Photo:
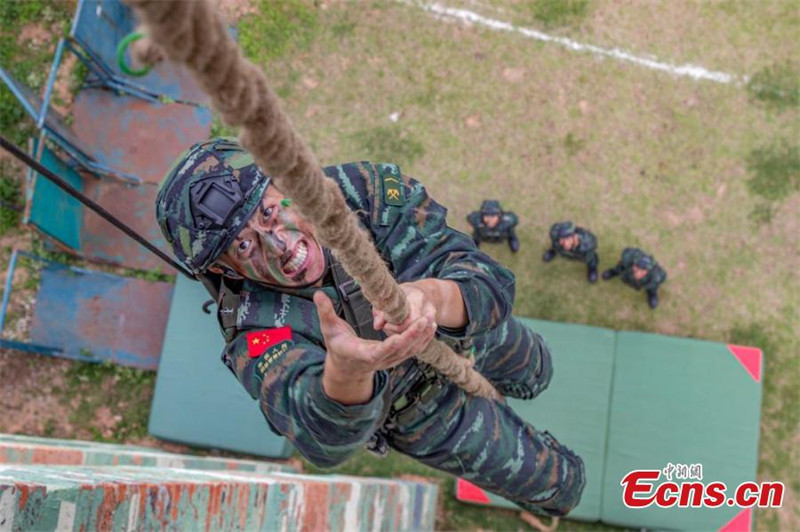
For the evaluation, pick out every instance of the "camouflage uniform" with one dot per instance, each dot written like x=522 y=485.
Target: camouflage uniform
x=504 y=230
x=586 y=251
x=656 y=275
x=414 y=412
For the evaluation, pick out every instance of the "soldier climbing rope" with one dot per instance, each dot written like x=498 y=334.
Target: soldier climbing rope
x=193 y=33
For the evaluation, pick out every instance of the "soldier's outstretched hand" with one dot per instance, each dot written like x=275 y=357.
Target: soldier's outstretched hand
x=355 y=355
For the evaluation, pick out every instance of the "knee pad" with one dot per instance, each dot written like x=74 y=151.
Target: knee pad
x=536 y=379
x=567 y=493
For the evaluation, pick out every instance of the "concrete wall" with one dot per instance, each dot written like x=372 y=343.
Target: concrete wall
x=134 y=498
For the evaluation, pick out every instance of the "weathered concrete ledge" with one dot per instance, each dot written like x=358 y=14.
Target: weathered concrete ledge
x=155 y=498
x=44 y=452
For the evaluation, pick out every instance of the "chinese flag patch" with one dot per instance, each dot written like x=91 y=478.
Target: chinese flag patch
x=259 y=341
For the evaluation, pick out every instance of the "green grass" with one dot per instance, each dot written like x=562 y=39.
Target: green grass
x=639 y=157
x=553 y=13
x=762 y=214
x=28 y=63
x=388 y=144
x=777 y=86
x=220 y=129
x=147 y=275
x=40 y=248
x=781 y=400
x=342 y=26
x=277 y=28
x=775 y=171
x=10 y=197
x=77 y=77
x=13 y=119
x=573 y=145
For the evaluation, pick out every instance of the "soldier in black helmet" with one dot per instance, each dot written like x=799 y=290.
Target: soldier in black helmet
x=325 y=368
x=574 y=243
x=493 y=224
x=639 y=270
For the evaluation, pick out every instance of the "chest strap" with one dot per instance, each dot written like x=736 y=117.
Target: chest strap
x=355 y=309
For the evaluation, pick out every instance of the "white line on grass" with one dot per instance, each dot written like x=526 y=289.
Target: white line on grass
x=688 y=70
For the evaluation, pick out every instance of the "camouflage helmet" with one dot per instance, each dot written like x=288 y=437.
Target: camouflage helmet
x=645 y=263
x=564 y=230
x=491 y=207
x=206 y=198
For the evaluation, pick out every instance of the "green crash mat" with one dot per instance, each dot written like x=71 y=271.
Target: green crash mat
x=680 y=401
x=197 y=400
x=574 y=408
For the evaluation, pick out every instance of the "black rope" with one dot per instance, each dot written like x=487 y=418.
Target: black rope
x=66 y=187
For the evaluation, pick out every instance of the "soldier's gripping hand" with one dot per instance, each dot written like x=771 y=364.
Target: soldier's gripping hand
x=439 y=298
x=350 y=364
x=420 y=305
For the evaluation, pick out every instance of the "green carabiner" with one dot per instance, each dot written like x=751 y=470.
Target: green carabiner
x=122 y=47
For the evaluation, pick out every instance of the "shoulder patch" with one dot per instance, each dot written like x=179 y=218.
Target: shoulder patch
x=259 y=342
x=270 y=356
x=393 y=191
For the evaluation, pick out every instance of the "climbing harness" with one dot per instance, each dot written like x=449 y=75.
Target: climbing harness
x=354 y=306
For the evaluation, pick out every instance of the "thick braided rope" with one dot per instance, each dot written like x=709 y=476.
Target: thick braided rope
x=194 y=33
x=145 y=52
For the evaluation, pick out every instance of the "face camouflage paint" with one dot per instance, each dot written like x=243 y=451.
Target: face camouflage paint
x=277 y=246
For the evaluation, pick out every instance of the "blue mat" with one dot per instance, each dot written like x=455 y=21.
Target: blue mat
x=92 y=316
x=99 y=26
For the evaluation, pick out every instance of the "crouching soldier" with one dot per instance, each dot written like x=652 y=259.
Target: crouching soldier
x=639 y=270
x=493 y=224
x=574 y=243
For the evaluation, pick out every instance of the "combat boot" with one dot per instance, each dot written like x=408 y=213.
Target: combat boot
x=592 y=274
x=513 y=243
x=549 y=255
x=652 y=299
x=608 y=274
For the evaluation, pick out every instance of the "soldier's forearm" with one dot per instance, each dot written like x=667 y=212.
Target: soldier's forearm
x=451 y=312
x=346 y=388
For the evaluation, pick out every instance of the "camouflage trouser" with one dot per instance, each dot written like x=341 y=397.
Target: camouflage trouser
x=485 y=441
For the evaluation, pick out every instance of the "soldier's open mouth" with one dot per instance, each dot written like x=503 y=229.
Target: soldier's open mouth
x=298 y=259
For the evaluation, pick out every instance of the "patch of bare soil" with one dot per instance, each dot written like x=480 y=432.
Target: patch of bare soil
x=63 y=94
x=30 y=397
x=27 y=397
x=34 y=34
x=14 y=239
x=22 y=299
